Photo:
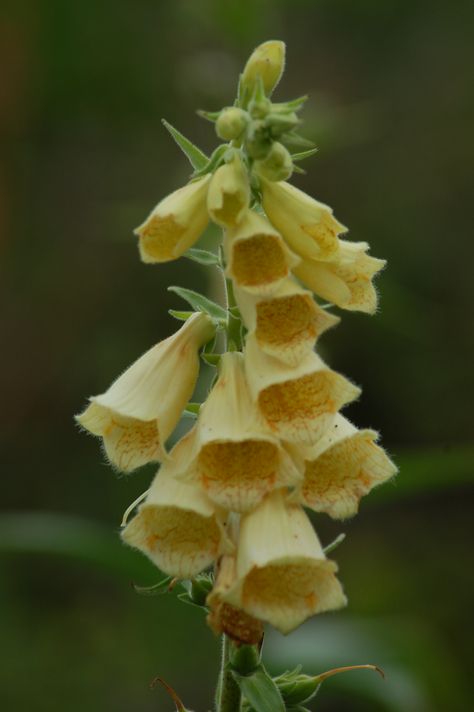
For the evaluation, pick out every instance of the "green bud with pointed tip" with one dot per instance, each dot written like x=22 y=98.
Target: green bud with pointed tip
x=279 y=124
x=277 y=165
x=231 y=123
x=299 y=689
x=266 y=61
x=258 y=143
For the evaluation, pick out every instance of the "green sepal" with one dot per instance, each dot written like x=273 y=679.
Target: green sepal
x=338 y=540
x=157 y=589
x=208 y=115
x=200 y=303
x=260 y=691
x=294 y=139
x=279 y=124
x=211 y=359
x=202 y=257
x=217 y=157
x=301 y=689
x=304 y=154
x=292 y=105
x=196 y=157
x=298 y=169
x=180 y=315
x=244 y=659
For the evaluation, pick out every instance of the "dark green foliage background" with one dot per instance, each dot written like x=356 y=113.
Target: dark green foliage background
x=84 y=158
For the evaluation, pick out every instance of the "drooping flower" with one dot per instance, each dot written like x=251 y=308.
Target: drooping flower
x=341 y=468
x=175 y=224
x=298 y=403
x=139 y=411
x=229 y=193
x=287 y=323
x=281 y=574
x=347 y=281
x=307 y=225
x=238 y=459
x=177 y=526
x=257 y=258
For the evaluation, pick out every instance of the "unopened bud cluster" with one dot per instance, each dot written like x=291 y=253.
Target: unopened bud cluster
x=270 y=439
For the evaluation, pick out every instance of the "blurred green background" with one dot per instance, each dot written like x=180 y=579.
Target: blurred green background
x=84 y=158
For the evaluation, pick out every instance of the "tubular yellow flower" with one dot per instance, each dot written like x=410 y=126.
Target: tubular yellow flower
x=346 y=282
x=343 y=467
x=287 y=324
x=307 y=225
x=175 y=224
x=141 y=408
x=229 y=193
x=238 y=460
x=258 y=259
x=266 y=61
x=177 y=527
x=282 y=575
x=299 y=403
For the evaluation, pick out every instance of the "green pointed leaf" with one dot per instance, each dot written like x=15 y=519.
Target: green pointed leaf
x=334 y=544
x=288 y=106
x=200 y=303
x=202 y=257
x=157 y=589
x=213 y=162
x=180 y=315
x=298 y=169
x=304 y=154
x=261 y=691
x=294 y=139
x=208 y=115
x=196 y=157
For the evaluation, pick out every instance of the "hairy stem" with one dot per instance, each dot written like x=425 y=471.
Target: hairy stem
x=228 y=695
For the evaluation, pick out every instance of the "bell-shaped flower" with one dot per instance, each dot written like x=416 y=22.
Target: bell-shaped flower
x=267 y=61
x=257 y=258
x=287 y=323
x=177 y=526
x=175 y=224
x=299 y=403
x=229 y=193
x=141 y=408
x=346 y=282
x=341 y=468
x=307 y=225
x=281 y=575
x=238 y=459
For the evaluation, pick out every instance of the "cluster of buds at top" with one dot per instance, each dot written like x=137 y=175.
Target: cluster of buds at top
x=270 y=439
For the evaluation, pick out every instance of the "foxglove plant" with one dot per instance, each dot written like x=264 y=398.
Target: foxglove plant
x=225 y=516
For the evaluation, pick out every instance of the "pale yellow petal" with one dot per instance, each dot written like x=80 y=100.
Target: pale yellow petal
x=257 y=258
x=175 y=224
x=287 y=324
x=266 y=61
x=141 y=408
x=307 y=225
x=229 y=193
x=298 y=403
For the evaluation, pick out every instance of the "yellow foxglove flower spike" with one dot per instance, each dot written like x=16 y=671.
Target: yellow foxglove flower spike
x=307 y=225
x=140 y=410
x=299 y=403
x=286 y=324
x=238 y=460
x=281 y=575
x=175 y=224
x=257 y=258
x=346 y=282
x=342 y=467
x=177 y=526
x=229 y=193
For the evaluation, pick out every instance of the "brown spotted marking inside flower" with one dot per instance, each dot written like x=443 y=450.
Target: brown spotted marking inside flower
x=337 y=479
x=287 y=321
x=324 y=233
x=259 y=260
x=131 y=443
x=159 y=237
x=232 y=205
x=237 y=475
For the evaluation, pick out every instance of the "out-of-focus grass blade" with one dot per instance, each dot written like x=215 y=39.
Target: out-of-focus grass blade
x=72 y=537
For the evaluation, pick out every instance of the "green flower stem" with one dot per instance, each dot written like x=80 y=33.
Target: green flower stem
x=228 y=695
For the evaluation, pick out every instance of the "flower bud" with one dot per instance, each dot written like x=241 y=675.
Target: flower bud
x=231 y=123
x=175 y=224
x=258 y=143
x=142 y=407
x=277 y=164
x=229 y=193
x=298 y=689
x=266 y=61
